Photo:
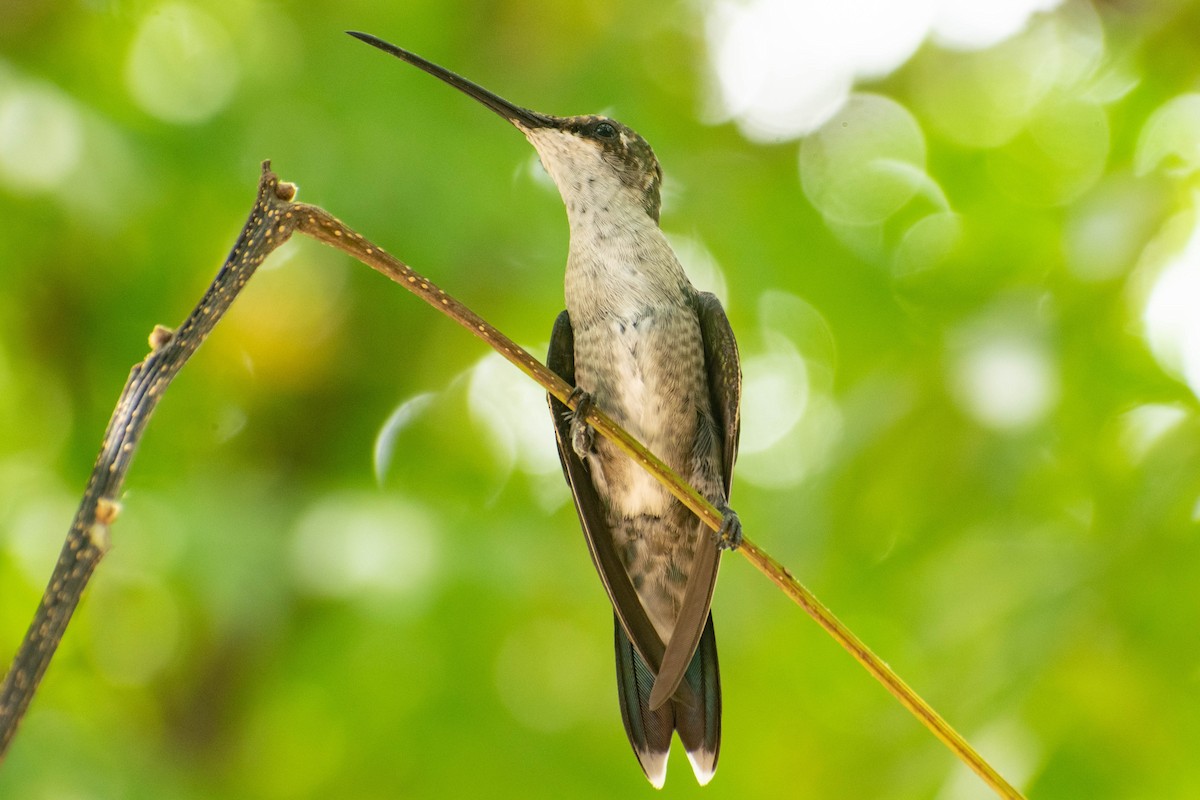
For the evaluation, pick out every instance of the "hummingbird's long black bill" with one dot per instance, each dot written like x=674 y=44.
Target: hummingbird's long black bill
x=521 y=117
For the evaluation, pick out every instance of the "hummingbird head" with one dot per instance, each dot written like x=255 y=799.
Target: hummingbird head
x=595 y=161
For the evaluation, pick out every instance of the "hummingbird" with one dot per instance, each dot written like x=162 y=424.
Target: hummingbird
x=640 y=343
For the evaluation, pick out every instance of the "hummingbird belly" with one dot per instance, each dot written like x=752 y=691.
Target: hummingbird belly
x=646 y=371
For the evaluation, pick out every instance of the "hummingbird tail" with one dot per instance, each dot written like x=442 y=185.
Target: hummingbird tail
x=700 y=727
x=649 y=732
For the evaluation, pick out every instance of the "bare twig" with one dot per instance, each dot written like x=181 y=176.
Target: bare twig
x=271 y=223
x=268 y=227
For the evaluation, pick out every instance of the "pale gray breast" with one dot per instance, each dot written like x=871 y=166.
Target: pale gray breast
x=647 y=372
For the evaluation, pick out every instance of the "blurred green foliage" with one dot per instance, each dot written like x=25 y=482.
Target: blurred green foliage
x=964 y=430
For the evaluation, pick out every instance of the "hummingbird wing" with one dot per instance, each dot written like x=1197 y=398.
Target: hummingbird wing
x=692 y=619
x=695 y=709
x=639 y=649
x=700 y=727
x=592 y=514
x=724 y=376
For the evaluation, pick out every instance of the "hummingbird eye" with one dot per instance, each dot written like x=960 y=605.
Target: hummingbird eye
x=605 y=130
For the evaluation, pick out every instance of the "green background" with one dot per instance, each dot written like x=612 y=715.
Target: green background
x=287 y=614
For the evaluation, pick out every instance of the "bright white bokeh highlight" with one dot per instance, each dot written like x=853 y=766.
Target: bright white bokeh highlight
x=976 y=24
x=1171 y=315
x=1005 y=380
x=775 y=395
x=182 y=66
x=783 y=67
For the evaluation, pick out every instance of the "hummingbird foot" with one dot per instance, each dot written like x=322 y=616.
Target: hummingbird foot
x=583 y=436
x=729 y=537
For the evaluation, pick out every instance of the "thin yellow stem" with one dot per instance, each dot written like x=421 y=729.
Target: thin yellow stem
x=322 y=226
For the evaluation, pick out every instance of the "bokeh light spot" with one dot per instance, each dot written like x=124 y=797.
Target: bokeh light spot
x=983 y=99
x=1171 y=137
x=40 y=507
x=1106 y=229
x=1006 y=382
x=389 y=433
x=928 y=243
x=367 y=545
x=182 y=66
x=1141 y=428
x=865 y=163
x=41 y=137
x=976 y=24
x=775 y=396
x=701 y=266
x=790 y=421
x=512 y=410
x=1171 y=317
x=782 y=68
x=1057 y=157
